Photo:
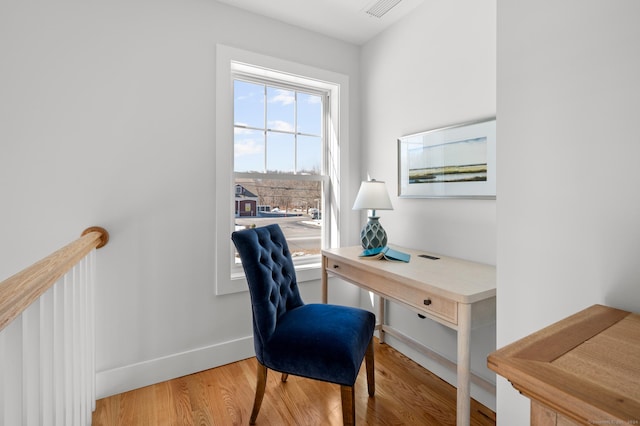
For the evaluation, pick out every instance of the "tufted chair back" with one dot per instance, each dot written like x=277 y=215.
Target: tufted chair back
x=271 y=278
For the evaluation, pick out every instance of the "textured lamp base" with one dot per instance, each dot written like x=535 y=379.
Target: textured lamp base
x=373 y=234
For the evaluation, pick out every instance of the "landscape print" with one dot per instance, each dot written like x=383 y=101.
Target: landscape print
x=458 y=161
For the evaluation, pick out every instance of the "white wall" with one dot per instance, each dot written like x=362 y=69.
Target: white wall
x=568 y=149
x=434 y=68
x=107 y=117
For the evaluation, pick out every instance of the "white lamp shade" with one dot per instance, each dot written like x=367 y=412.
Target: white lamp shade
x=372 y=195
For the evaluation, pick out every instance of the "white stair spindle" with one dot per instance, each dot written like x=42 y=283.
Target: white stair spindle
x=77 y=345
x=58 y=354
x=68 y=349
x=46 y=358
x=91 y=342
x=31 y=365
x=11 y=374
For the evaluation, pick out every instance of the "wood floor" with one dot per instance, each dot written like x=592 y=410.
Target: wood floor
x=406 y=394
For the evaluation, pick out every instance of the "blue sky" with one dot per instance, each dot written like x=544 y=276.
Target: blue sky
x=280 y=144
x=456 y=153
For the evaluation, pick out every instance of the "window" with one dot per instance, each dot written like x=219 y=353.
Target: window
x=278 y=160
x=277 y=147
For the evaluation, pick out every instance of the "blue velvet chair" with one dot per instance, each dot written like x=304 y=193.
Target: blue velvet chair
x=318 y=341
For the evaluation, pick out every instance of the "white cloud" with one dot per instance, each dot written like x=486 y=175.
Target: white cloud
x=312 y=99
x=285 y=97
x=247 y=147
x=283 y=126
x=241 y=130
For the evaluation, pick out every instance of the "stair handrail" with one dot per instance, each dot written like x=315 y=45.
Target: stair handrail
x=22 y=289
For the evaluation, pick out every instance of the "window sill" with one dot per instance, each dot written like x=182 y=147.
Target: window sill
x=238 y=282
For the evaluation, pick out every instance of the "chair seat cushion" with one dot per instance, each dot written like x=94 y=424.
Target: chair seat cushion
x=320 y=341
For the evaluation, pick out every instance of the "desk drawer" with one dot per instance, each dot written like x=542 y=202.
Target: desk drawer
x=419 y=299
x=347 y=271
x=446 y=309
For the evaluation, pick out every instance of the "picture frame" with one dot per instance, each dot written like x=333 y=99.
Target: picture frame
x=457 y=161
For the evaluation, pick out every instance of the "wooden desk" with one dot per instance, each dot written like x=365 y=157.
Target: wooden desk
x=582 y=370
x=456 y=293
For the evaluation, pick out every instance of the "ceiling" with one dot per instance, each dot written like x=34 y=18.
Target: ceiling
x=346 y=20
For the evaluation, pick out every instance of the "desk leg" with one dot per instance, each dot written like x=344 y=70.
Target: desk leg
x=325 y=280
x=381 y=306
x=464 y=365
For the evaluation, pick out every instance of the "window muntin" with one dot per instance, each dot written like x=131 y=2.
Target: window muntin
x=276 y=129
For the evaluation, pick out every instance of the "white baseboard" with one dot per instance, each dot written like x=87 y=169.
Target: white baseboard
x=134 y=376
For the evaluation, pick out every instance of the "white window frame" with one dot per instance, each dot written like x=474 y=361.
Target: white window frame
x=230 y=279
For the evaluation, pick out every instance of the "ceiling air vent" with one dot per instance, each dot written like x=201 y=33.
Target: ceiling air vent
x=381 y=7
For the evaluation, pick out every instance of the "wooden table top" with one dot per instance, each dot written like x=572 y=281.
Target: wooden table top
x=586 y=366
x=456 y=279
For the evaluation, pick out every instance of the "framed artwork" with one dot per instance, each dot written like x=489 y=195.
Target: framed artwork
x=451 y=162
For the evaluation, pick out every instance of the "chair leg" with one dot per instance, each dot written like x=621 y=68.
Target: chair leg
x=348 y=396
x=370 y=365
x=260 y=387
x=285 y=376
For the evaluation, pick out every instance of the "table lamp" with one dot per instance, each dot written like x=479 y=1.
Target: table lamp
x=373 y=196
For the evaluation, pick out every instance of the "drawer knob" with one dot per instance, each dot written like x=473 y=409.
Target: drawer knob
x=336 y=266
x=427 y=302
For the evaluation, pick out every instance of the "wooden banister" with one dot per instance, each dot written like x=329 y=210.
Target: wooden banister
x=23 y=288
